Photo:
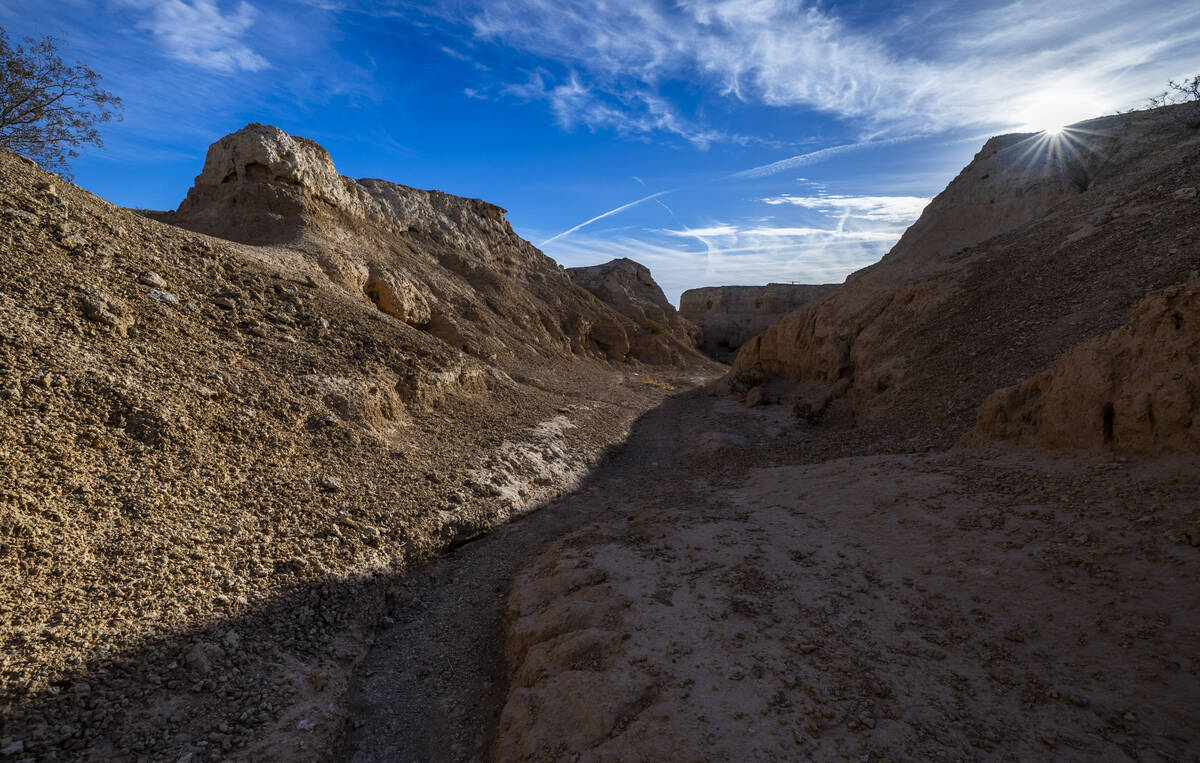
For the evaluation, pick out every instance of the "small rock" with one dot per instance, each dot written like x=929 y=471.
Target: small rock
x=19 y=214
x=101 y=308
x=331 y=483
x=1188 y=193
x=165 y=297
x=229 y=303
x=201 y=657
x=14 y=748
x=202 y=390
x=232 y=640
x=74 y=242
x=150 y=278
x=755 y=397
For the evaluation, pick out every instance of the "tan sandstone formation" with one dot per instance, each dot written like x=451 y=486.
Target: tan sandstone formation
x=1039 y=244
x=1136 y=389
x=628 y=287
x=448 y=265
x=728 y=316
x=216 y=454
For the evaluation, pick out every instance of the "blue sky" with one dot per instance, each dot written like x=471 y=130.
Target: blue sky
x=716 y=141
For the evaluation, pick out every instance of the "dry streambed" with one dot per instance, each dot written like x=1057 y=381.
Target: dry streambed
x=945 y=606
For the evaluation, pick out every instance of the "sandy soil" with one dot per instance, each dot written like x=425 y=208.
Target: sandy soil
x=961 y=605
x=710 y=598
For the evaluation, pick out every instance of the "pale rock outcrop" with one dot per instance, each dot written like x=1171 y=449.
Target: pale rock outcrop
x=396 y=296
x=1135 y=390
x=450 y=266
x=659 y=333
x=728 y=316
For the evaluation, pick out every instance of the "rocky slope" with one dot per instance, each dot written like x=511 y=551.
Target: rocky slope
x=1136 y=389
x=628 y=287
x=728 y=316
x=217 y=456
x=1039 y=244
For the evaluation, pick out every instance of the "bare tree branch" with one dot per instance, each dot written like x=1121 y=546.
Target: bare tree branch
x=47 y=108
x=1185 y=94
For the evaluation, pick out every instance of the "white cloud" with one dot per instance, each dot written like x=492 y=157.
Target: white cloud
x=701 y=233
x=199 y=33
x=970 y=65
x=839 y=234
x=743 y=256
x=894 y=209
x=633 y=112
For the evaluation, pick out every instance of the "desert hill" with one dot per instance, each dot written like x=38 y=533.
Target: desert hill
x=212 y=444
x=450 y=266
x=1039 y=244
x=631 y=290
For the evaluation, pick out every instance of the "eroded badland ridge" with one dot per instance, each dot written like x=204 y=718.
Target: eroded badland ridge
x=237 y=436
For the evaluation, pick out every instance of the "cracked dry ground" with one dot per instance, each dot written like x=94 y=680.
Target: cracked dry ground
x=732 y=587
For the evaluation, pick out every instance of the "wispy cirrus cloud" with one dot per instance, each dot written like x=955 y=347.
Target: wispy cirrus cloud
x=1000 y=63
x=635 y=112
x=891 y=209
x=806 y=239
x=198 y=32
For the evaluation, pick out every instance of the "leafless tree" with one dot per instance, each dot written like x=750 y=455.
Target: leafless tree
x=49 y=109
x=1186 y=94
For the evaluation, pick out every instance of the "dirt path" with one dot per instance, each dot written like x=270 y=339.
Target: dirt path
x=999 y=605
x=434 y=682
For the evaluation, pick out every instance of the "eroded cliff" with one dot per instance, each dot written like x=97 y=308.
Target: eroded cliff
x=628 y=287
x=1135 y=389
x=448 y=265
x=1039 y=244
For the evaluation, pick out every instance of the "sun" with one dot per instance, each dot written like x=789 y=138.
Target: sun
x=1051 y=111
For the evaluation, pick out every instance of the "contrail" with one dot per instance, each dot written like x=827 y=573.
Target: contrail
x=609 y=213
x=803 y=160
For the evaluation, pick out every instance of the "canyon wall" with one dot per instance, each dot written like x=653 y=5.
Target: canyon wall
x=628 y=287
x=1040 y=243
x=728 y=316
